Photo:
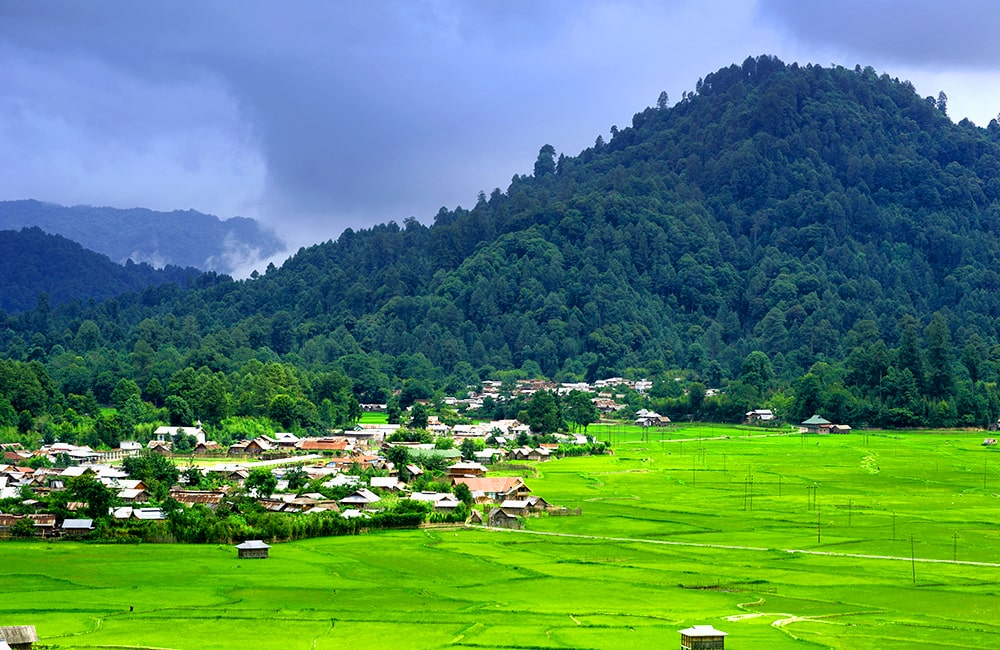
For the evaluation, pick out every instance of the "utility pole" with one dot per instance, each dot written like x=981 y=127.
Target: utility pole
x=819 y=527
x=954 y=547
x=850 y=503
x=913 y=561
x=894 y=526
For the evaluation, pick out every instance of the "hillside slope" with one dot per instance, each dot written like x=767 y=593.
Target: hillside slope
x=32 y=263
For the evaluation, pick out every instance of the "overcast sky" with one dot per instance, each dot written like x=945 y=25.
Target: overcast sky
x=316 y=115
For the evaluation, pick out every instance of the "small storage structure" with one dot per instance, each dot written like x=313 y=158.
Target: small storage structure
x=702 y=637
x=253 y=549
x=18 y=637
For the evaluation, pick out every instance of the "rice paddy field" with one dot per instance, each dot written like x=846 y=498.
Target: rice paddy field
x=870 y=540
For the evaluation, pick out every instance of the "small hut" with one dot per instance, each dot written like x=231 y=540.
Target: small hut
x=18 y=637
x=702 y=637
x=253 y=549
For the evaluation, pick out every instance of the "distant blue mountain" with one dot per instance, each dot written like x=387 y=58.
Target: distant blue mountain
x=181 y=238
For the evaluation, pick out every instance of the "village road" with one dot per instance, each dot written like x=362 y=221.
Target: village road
x=733 y=547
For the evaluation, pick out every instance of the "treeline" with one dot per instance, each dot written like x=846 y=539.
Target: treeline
x=830 y=219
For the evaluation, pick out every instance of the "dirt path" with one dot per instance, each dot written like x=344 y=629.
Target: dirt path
x=735 y=547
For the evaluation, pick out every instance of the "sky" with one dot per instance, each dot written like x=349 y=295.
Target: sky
x=314 y=116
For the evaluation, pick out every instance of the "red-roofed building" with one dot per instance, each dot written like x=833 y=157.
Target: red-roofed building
x=494 y=489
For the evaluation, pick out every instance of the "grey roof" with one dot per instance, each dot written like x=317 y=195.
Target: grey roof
x=18 y=634
x=251 y=544
x=78 y=524
x=817 y=419
x=703 y=630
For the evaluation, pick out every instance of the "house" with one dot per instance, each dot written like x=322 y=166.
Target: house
x=494 y=489
x=166 y=434
x=123 y=483
x=644 y=418
x=759 y=416
x=537 y=503
x=208 y=498
x=45 y=525
x=499 y=518
x=342 y=479
x=606 y=405
x=253 y=549
x=490 y=455
x=527 y=453
x=132 y=495
x=256 y=447
x=19 y=637
x=76 y=527
x=76 y=470
x=476 y=518
x=208 y=447
x=816 y=424
x=324 y=444
x=361 y=497
x=702 y=637
x=515 y=507
x=466 y=468
x=159 y=447
x=390 y=483
x=840 y=428
x=285 y=440
x=443 y=501
x=141 y=514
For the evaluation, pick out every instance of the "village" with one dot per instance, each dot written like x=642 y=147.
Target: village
x=358 y=462
x=352 y=473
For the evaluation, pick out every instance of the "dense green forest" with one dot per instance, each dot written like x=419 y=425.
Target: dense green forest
x=813 y=239
x=33 y=263
x=179 y=238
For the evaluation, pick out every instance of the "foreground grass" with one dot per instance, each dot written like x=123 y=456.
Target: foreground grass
x=652 y=553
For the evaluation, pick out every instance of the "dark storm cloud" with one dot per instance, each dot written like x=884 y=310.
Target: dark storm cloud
x=314 y=115
x=342 y=114
x=958 y=34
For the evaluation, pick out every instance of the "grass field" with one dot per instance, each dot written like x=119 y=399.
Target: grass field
x=895 y=539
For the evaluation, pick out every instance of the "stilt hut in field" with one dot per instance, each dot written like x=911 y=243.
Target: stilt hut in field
x=702 y=637
x=253 y=549
x=18 y=637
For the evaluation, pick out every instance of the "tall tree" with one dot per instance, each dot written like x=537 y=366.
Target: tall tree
x=940 y=373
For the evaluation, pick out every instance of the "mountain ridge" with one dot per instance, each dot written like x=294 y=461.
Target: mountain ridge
x=179 y=238
x=37 y=268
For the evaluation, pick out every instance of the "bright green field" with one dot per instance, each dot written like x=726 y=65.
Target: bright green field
x=673 y=508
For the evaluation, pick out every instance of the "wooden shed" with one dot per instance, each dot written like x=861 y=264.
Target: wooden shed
x=702 y=637
x=253 y=549
x=19 y=637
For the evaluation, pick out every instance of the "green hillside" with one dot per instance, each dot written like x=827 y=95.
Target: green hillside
x=818 y=239
x=34 y=263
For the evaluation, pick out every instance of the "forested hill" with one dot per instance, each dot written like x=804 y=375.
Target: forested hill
x=818 y=215
x=179 y=238
x=34 y=263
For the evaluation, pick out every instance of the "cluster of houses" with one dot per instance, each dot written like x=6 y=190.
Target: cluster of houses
x=607 y=391
x=504 y=500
